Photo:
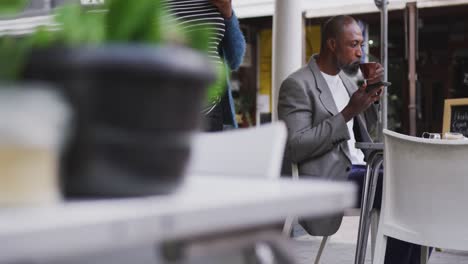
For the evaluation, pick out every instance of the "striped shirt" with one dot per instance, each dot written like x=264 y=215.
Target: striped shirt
x=193 y=15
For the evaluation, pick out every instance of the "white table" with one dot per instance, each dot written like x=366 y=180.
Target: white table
x=203 y=205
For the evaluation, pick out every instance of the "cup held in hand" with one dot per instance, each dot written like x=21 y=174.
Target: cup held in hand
x=368 y=69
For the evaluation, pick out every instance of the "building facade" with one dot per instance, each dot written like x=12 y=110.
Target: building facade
x=416 y=98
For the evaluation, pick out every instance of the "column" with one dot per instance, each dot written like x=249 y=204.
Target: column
x=287 y=44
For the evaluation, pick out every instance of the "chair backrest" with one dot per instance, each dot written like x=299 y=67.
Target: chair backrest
x=425 y=191
x=251 y=152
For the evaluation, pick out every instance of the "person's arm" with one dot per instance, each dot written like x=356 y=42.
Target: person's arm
x=233 y=43
x=224 y=7
x=305 y=141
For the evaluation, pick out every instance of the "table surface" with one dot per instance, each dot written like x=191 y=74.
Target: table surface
x=202 y=205
x=370 y=145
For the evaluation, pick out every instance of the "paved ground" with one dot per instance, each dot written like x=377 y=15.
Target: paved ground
x=340 y=248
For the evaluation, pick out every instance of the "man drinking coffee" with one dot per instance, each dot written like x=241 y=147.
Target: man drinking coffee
x=326 y=113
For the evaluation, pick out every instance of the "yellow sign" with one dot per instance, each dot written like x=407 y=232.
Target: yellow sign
x=313 y=39
x=265 y=54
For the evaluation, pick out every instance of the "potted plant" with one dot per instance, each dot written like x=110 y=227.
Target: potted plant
x=135 y=98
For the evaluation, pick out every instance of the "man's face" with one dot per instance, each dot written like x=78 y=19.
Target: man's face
x=349 y=49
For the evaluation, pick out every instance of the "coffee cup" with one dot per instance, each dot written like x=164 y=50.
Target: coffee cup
x=368 y=69
x=32 y=125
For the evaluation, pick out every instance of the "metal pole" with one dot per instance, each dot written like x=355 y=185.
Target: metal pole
x=383 y=6
x=385 y=61
x=412 y=76
x=287 y=45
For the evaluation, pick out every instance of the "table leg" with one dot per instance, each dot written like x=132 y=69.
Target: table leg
x=368 y=194
x=373 y=189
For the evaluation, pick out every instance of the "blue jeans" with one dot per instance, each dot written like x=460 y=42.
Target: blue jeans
x=357 y=175
x=398 y=252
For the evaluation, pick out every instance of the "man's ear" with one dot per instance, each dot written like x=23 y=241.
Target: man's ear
x=331 y=43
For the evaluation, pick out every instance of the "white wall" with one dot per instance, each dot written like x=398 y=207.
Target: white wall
x=253 y=8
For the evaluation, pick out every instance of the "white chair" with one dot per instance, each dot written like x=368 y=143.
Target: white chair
x=424 y=193
x=349 y=212
x=251 y=152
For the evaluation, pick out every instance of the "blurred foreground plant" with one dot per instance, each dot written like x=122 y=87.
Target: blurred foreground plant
x=118 y=21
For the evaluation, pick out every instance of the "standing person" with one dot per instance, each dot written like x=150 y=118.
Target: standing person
x=326 y=113
x=226 y=44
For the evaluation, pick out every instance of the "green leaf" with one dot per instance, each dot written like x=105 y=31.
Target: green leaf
x=156 y=30
x=71 y=21
x=13 y=53
x=79 y=26
x=217 y=89
x=11 y=6
x=198 y=38
x=170 y=32
x=95 y=31
x=131 y=20
x=42 y=38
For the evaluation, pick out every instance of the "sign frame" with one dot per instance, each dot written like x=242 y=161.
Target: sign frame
x=448 y=111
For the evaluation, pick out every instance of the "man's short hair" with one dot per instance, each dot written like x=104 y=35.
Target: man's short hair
x=333 y=27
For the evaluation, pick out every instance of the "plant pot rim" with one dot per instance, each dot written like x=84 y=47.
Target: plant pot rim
x=159 y=61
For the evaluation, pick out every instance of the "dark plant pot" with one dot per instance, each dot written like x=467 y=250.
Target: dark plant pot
x=135 y=107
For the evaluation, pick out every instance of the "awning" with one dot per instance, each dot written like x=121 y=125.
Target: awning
x=312 y=8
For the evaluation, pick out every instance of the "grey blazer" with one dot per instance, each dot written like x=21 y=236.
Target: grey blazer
x=317 y=132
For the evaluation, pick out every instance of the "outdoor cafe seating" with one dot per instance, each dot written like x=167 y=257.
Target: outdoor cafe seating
x=424 y=193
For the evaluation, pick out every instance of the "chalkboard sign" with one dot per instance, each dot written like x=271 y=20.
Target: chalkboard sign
x=456 y=116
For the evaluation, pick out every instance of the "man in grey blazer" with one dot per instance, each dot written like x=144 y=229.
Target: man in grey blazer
x=326 y=113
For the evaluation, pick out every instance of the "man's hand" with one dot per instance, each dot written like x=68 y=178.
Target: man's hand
x=224 y=7
x=378 y=76
x=360 y=101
